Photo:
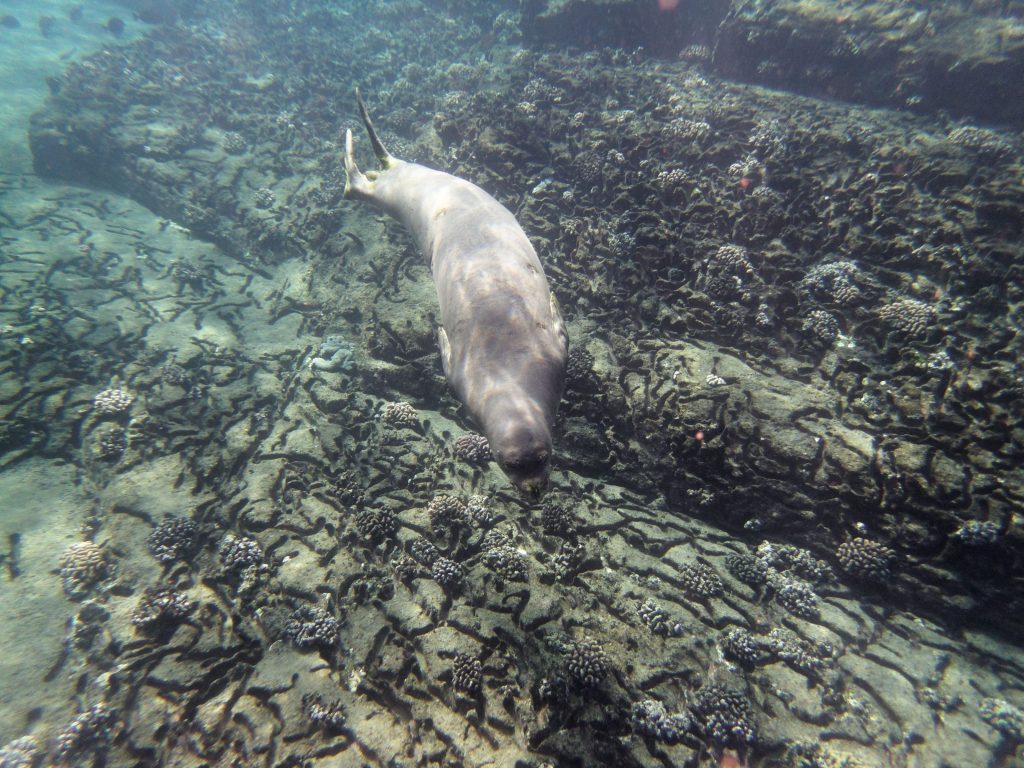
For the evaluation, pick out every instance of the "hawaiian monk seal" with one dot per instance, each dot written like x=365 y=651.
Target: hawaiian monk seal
x=503 y=343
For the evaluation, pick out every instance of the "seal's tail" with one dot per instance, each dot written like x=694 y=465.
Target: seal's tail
x=383 y=156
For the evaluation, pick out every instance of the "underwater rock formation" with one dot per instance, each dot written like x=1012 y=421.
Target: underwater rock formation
x=723 y=300
x=946 y=56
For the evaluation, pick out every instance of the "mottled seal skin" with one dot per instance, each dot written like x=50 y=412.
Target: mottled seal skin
x=503 y=343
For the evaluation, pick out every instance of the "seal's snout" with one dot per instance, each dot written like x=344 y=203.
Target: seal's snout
x=528 y=470
x=534 y=487
x=521 y=443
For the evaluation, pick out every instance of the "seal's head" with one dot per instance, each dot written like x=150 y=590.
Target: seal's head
x=527 y=465
x=521 y=444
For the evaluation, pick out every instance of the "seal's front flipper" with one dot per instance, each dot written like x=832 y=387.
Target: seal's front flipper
x=356 y=184
x=557 y=323
x=446 y=350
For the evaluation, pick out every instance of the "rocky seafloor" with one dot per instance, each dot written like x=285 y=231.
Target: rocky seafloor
x=784 y=521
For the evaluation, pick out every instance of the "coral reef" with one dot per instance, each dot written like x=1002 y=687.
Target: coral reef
x=586 y=663
x=1004 y=717
x=481 y=511
x=748 y=569
x=650 y=718
x=112 y=444
x=701 y=581
x=238 y=553
x=854 y=55
x=424 y=551
x=234 y=143
x=557 y=518
x=507 y=562
x=467 y=673
x=312 y=627
x=85 y=737
x=865 y=559
x=658 y=619
x=820 y=327
x=376 y=523
x=568 y=560
x=790 y=559
x=112 y=402
x=20 y=753
x=724 y=255
x=579 y=366
x=740 y=646
x=908 y=316
x=797 y=598
x=447 y=513
x=328 y=717
x=175 y=538
x=725 y=717
x=399 y=414
x=835 y=282
x=976 y=533
x=82 y=566
x=448 y=573
x=473 y=448
x=804 y=656
x=161 y=607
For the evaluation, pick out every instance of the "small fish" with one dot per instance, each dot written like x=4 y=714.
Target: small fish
x=156 y=12
x=10 y=22
x=75 y=12
x=115 y=26
x=47 y=25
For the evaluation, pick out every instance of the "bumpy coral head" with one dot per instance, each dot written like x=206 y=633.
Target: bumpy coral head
x=523 y=450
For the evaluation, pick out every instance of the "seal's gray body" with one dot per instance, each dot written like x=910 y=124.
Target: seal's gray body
x=503 y=343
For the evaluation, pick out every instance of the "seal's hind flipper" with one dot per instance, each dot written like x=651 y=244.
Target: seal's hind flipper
x=383 y=156
x=356 y=184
